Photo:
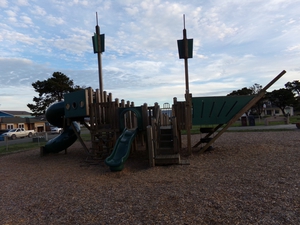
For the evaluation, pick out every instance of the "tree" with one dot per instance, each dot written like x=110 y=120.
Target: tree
x=50 y=90
x=282 y=98
x=293 y=86
x=243 y=91
x=253 y=90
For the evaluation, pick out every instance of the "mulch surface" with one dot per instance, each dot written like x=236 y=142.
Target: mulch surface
x=248 y=178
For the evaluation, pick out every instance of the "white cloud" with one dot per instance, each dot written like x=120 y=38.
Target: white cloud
x=22 y=2
x=12 y=19
x=37 y=10
x=53 y=21
x=27 y=20
x=3 y=3
x=294 y=48
x=132 y=10
x=11 y=13
x=17 y=37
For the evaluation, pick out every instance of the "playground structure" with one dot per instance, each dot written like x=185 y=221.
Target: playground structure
x=117 y=128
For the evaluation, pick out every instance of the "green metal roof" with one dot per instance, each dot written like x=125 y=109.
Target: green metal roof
x=217 y=110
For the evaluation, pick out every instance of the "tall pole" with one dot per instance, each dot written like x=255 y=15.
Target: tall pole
x=187 y=91
x=185 y=43
x=99 y=59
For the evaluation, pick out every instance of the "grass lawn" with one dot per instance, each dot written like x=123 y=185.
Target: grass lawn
x=13 y=148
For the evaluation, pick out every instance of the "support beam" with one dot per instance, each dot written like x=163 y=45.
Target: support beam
x=80 y=139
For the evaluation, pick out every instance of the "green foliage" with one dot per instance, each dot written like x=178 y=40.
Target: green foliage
x=282 y=98
x=253 y=90
x=293 y=86
x=243 y=91
x=49 y=91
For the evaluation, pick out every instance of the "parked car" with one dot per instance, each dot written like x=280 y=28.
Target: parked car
x=3 y=131
x=56 y=130
x=18 y=133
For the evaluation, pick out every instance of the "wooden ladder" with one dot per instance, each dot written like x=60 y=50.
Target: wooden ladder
x=166 y=151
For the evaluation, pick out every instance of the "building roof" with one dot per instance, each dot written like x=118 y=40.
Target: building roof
x=18 y=120
x=10 y=113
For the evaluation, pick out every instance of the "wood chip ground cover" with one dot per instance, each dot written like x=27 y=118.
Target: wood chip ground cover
x=248 y=178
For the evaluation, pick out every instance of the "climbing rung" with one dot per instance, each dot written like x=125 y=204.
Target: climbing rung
x=206 y=129
x=205 y=140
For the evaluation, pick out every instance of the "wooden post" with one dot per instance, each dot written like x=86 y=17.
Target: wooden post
x=116 y=115
x=104 y=96
x=187 y=92
x=42 y=151
x=110 y=97
x=99 y=58
x=133 y=117
x=176 y=138
x=150 y=146
x=145 y=115
x=122 y=103
x=92 y=128
x=98 y=108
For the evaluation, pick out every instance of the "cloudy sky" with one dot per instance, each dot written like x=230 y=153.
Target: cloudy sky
x=236 y=44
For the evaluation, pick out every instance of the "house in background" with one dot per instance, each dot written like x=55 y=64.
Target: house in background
x=20 y=119
x=275 y=111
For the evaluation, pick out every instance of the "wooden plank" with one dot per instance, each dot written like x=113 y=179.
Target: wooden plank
x=167 y=159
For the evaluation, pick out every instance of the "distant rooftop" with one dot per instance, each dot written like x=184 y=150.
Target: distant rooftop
x=15 y=113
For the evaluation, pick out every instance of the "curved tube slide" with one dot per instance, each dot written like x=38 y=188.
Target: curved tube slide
x=121 y=150
x=55 y=116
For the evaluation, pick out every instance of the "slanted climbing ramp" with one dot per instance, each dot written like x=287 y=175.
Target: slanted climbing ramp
x=211 y=113
x=224 y=110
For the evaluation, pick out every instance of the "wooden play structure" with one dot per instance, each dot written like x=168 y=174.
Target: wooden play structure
x=118 y=127
x=155 y=132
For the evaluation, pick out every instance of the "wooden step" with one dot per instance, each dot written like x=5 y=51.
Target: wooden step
x=166 y=127
x=166 y=130
x=165 y=151
x=170 y=159
x=206 y=129
x=166 y=144
x=205 y=140
x=165 y=137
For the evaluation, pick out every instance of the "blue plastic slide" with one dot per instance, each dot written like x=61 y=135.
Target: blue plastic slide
x=121 y=150
x=55 y=116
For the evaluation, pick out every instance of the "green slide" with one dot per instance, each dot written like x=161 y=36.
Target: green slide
x=121 y=150
x=55 y=116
